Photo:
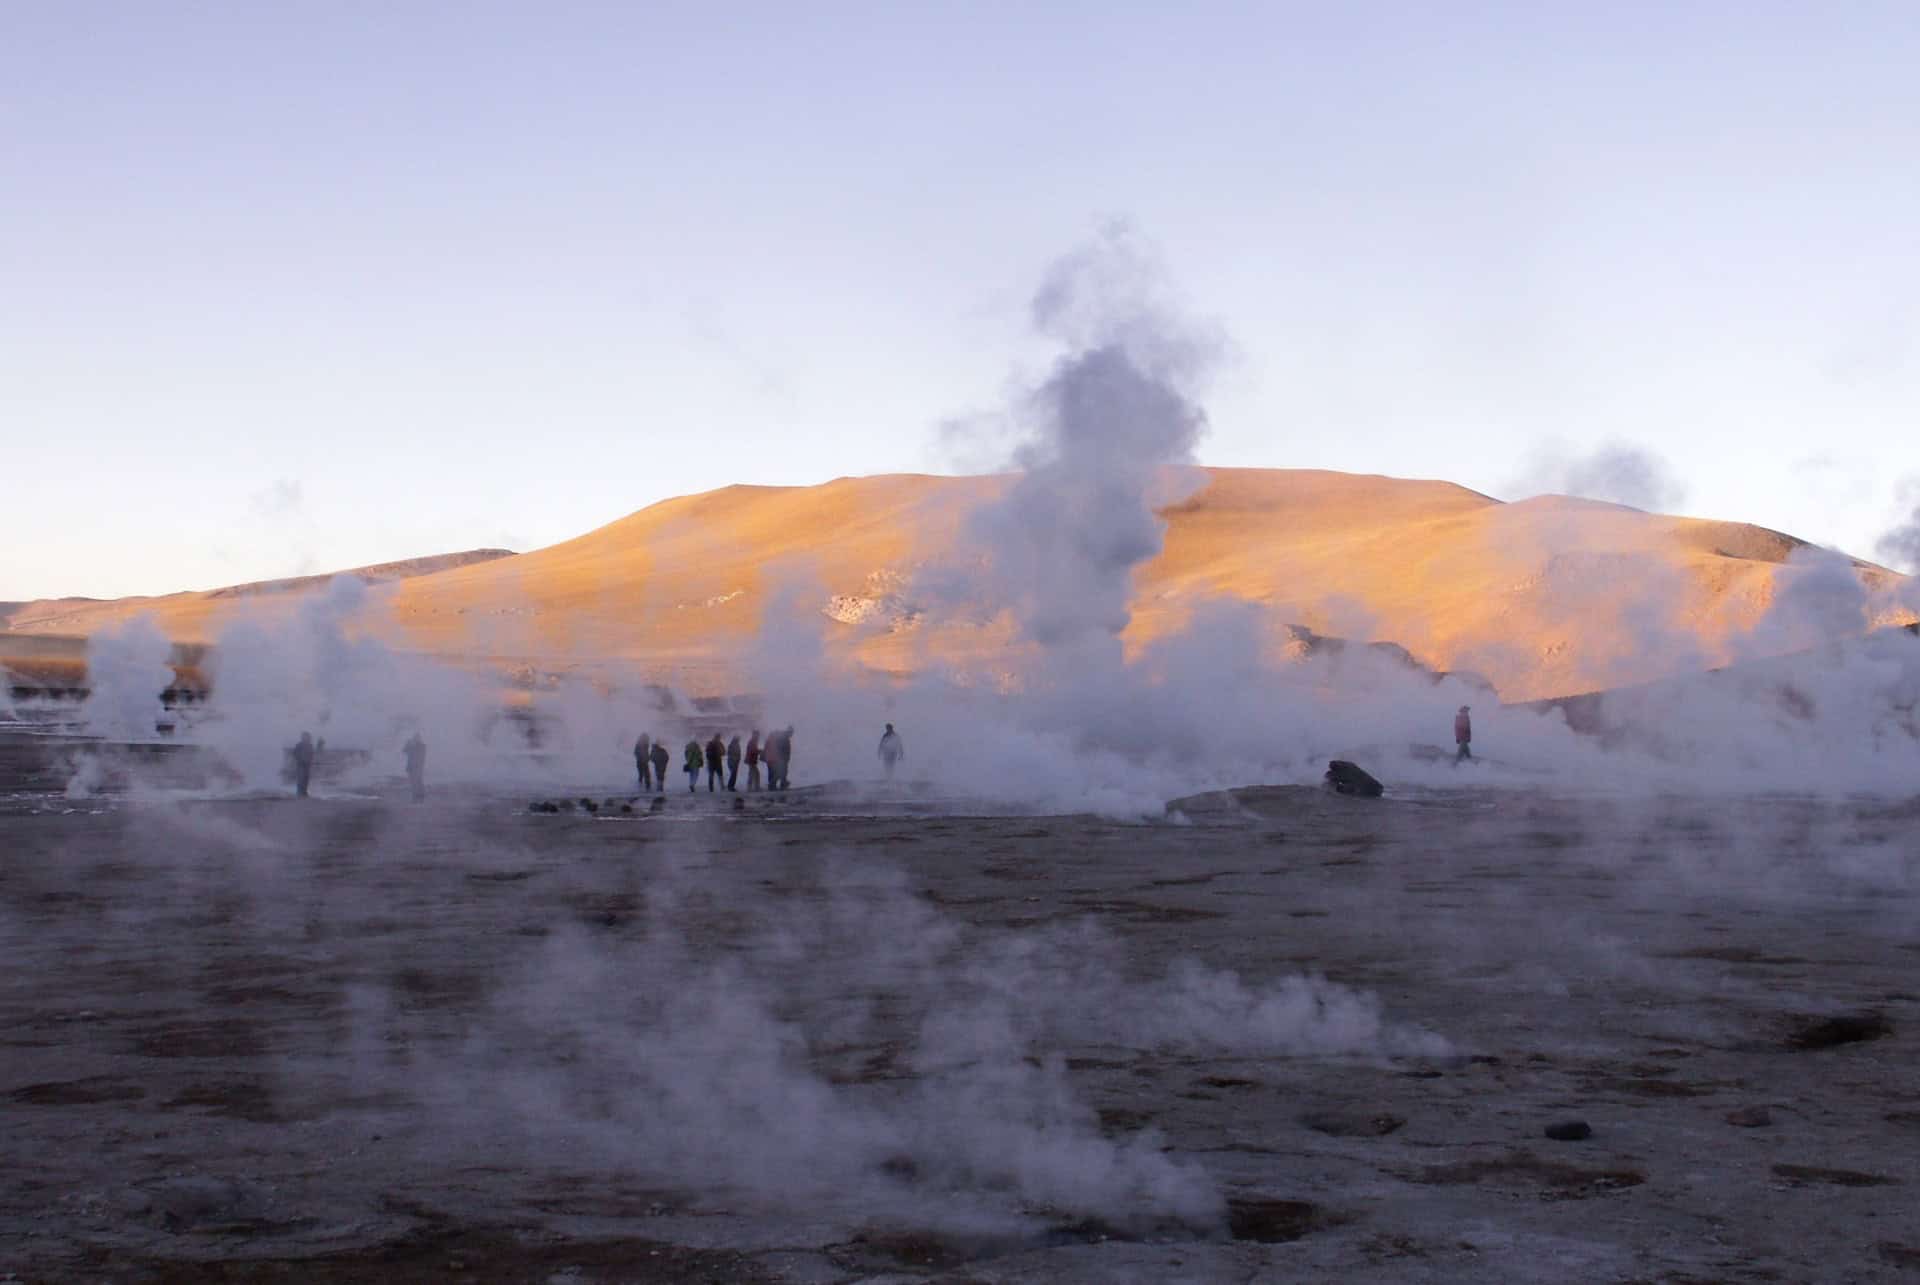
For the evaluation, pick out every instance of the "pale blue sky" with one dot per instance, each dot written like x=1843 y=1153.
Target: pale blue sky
x=286 y=287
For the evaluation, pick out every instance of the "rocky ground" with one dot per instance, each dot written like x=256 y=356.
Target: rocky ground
x=1279 y=1035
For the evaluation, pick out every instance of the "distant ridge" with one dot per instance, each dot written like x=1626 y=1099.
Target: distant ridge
x=57 y=615
x=1545 y=597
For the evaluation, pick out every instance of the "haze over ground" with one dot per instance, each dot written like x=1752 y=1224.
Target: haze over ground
x=296 y=289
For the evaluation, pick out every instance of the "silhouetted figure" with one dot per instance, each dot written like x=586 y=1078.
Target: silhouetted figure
x=779 y=756
x=661 y=758
x=301 y=756
x=1463 y=734
x=643 y=761
x=733 y=763
x=716 y=761
x=692 y=759
x=416 y=754
x=753 y=760
x=892 y=750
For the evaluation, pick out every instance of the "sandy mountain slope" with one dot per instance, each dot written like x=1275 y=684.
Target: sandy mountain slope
x=1545 y=597
x=196 y=615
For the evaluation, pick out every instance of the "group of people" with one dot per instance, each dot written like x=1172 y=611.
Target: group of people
x=305 y=752
x=720 y=759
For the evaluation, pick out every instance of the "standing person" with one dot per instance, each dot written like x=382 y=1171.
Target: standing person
x=1463 y=734
x=892 y=750
x=753 y=760
x=643 y=761
x=302 y=754
x=770 y=755
x=733 y=763
x=660 y=760
x=692 y=760
x=716 y=760
x=416 y=754
x=782 y=741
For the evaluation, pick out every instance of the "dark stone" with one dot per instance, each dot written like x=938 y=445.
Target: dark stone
x=1570 y=1131
x=1750 y=1117
x=588 y=805
x=1351 y=778
x=659 y=804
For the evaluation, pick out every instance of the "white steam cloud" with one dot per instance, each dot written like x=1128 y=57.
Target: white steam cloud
x=1615 y=473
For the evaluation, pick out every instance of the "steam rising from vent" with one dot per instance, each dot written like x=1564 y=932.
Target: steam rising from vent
x=127 y=671
x=1104 y=433
x=1900 y=547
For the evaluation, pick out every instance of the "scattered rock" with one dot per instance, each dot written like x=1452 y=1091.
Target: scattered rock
x=1570 y=1131
x=1750 y=1117
x=589 y=806
x=1351 y=778
x=1844 y=1028
x=658 y=805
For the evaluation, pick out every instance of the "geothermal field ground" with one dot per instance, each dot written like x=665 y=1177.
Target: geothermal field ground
x=877 y=1034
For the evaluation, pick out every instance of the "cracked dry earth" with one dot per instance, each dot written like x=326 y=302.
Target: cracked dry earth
x=358 y=1040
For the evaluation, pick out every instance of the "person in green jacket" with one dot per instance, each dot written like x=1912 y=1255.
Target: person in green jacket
x=693 y=759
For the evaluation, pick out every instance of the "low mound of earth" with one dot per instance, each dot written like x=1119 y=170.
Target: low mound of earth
x=1530 y=595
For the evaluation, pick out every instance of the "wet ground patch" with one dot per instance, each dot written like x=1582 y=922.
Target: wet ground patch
x=78 y=1093
x=1815 y=1176
x=216 y=1038
x=449 y=1255
x=1524 y=1169
x=1811 y=1033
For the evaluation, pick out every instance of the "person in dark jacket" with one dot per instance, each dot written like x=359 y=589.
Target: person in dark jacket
x=415 y=751
x=1463 y=734
x=892 y=750
x=753 y=760
x=691 y=760
x=716 y=761
x=733 y=763
x=643 y=761
x=661 y=758
x=301 y=758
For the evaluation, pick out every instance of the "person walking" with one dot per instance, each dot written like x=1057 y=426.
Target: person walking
x=415 y=751
x=716 y=761
x=661 y=758
x=733 y=763
x=1463 y=734
x=753 y=760
x=302 y=755
x=643 y=761
x=892 y=750
x=693 y=760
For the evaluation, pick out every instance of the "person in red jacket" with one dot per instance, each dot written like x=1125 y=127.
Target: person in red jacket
x=753 y=761
x=1463 y=734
